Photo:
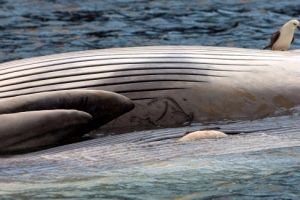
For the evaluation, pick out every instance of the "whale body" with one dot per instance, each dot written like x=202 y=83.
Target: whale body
x=169 y=85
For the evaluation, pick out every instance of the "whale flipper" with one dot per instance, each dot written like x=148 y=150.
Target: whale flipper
x=104 y=106
x=48 y=118
x=31 y=130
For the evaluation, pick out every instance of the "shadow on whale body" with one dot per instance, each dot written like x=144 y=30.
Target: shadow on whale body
x=41 y=120
x=169 y=85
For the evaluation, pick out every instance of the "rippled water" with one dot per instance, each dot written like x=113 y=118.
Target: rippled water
x=269 y=174
x=35 y=28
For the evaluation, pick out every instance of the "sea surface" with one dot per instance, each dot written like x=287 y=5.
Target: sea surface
x=268 y=174
x=37 y=27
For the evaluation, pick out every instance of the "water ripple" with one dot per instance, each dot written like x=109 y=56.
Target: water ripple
x=38 y=28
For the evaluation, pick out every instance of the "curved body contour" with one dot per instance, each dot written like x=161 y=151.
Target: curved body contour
x=170 y=85
x=47 y=119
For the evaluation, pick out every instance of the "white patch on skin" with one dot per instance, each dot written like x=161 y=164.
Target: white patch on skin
x=200 y=135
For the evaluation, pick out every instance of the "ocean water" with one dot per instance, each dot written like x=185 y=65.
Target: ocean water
x=267 y=174
x=36 y=28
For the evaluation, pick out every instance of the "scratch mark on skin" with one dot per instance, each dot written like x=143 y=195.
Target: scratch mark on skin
x=189 y=117
x=169 y=103
x=164 y=113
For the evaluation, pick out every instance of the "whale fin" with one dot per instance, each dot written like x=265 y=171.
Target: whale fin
x=48 y=118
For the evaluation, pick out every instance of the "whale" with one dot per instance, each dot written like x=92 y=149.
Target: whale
x=169 y=85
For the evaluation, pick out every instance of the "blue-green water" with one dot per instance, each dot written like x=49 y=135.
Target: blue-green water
x=36 y=27
x=268 y=174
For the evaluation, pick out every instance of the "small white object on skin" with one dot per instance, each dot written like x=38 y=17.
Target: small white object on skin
x=200 y=135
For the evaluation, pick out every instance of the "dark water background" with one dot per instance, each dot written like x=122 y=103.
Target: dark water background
x=34 y=28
